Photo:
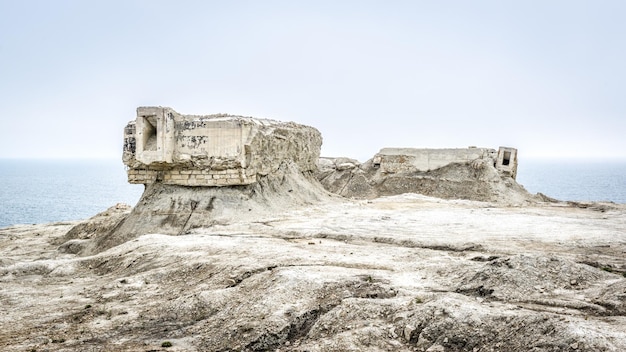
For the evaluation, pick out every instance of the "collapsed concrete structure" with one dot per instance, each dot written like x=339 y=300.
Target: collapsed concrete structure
x=164 y=146
x=393 y=160
x=471 y=173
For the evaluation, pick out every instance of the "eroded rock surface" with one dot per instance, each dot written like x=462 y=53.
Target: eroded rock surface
x=401 y=273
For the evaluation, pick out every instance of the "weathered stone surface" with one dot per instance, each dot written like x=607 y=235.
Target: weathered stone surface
x=402 y=273
x=164 y=146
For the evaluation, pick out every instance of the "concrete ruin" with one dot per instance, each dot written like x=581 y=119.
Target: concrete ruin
x=163 y=148
x=161 y=145
x=199 y=171
x=472 y=173
x=394 y=160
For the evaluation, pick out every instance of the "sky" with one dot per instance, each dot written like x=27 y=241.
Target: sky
x=546 y=77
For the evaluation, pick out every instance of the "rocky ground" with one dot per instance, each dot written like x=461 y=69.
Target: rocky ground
x=398 y=273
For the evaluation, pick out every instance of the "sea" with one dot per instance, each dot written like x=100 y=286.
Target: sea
x=42 y=191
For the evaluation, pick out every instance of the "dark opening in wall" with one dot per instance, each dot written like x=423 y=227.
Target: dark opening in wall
x=149 y=133
x=376 y=162
x=506 y=159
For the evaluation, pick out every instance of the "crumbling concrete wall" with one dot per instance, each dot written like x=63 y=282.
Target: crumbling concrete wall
x=162 y=145
x=392 y=160
x=395 y=160
x=469 y=173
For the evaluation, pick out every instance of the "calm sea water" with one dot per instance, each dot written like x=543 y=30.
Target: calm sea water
x=40 y=191
x=577 y=180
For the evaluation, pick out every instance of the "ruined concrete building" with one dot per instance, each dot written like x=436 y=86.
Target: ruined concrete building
x=215 y=150
x=163 y=146
x=393 y=160
x=472 y=173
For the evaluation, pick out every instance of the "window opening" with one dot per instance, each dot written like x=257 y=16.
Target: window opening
x=149 y=133
x=506 y=160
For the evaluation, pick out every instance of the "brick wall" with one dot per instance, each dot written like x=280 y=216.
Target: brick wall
x=194 y=177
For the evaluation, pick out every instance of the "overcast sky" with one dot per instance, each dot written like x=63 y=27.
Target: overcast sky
x=546 y=77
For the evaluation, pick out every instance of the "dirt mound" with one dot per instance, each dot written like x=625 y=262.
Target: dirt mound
x=174 y=209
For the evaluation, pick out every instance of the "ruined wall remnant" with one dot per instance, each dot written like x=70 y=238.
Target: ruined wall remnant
x=162 y=145
x=392 y=160
x=395 y=160
x=472 y=173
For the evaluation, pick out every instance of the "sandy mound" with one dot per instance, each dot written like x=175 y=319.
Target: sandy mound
x=174 y=209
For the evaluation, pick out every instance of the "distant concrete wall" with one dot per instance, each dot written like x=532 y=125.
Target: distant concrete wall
x=392 y=160
x=162 y=145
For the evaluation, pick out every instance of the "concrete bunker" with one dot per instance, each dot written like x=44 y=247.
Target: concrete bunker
x=161 y=145
x=473 y=173
x=394 y=160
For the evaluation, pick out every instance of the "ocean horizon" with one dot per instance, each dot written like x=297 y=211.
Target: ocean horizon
x=34 y=191
x=581 y=180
